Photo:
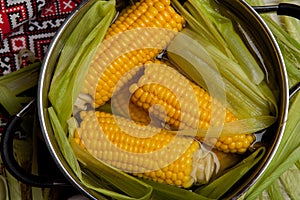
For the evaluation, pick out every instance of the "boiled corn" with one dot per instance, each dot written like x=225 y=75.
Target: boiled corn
x=121 y=103
x=119 y=53
x=176 y=95
x=145 y=151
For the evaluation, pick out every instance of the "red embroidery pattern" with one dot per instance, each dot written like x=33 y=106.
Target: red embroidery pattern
x=28 y=24
x=14 y=13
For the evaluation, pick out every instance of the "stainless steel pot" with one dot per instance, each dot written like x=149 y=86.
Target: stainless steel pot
x=263 y=40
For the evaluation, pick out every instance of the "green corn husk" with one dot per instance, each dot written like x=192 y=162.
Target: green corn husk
x=81 y=44
x=204 y=62
x=288 y=180
x=282 y=176
x=192 y=59
x=131 y=188
x=3 y=188
x=63 y=143
x=274 y=191
x=14 y=188
x=198 y=21
x=291 y=25
x=287 y=154
x=164 y=191
x=14 y=84
x=289 y=47
x=23 y=152
x=65 y=87
x=221 y=27
x=286 y=32
x=218 y=187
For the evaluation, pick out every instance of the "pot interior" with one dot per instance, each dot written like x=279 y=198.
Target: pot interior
x=267 y=52
x=255 y=33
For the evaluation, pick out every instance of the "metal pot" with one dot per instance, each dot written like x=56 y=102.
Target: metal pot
x=263 y=40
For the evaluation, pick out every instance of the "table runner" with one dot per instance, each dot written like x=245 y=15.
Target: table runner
x=31 y=25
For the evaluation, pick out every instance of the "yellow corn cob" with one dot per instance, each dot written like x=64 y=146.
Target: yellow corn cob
x=126 y=108
x=119 y=53
x=158 y=86
x=120 y=101
x=145 y=151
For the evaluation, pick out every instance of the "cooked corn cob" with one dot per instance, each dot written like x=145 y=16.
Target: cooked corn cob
x=165 y=86
x=119 y=53
x=121 y=103
x=129 y=110
x=145 y=151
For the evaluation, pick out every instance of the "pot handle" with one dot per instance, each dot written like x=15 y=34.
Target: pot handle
x=9 y=161
x=287 y=9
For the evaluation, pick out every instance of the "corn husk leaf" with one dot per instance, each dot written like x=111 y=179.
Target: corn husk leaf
x=23 y=154
x=22 y=79
x=284 y=176
x=287 y=154
x=200 y=56
x=243 y=126
x=14 y=188
x=81 y=44
x=3 y=188
x=9 y=101
x=206 y=11
x=132 y=188
x=275 y=191
x=248 y=103
x=289 y=47
x=63 y=142
x=291 y=25
x=15 y=83
x=286 y=32
x=288 y=180
x=126 y=183
x=164 y=191
x=218 y=187
x=199 y=21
